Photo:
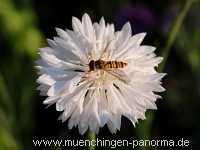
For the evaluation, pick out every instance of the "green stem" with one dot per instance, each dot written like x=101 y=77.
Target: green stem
x=91 y=137
x=175 y=29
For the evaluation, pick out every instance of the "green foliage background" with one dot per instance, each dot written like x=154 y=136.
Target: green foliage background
x=22 y=33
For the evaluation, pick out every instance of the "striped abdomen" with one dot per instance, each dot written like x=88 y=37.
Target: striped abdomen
x=100 y=64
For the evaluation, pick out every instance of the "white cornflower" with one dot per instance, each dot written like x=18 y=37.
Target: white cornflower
x=95 y=75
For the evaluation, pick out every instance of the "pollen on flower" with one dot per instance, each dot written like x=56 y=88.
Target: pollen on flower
x=95 y=75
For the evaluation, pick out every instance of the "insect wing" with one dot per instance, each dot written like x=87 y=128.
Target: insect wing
x=119 y=74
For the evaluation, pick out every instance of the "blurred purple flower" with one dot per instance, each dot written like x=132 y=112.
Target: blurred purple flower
x=140 y=16
x=168 y=19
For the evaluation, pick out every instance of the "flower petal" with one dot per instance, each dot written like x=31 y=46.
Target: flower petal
x=88 y=27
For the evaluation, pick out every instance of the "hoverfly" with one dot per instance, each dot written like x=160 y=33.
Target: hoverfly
x=111 y=67
x=101 y=64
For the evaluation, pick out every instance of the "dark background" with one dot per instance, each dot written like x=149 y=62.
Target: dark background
x=24 y=26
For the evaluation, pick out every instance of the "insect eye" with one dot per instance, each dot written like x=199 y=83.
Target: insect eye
x=91 y=64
